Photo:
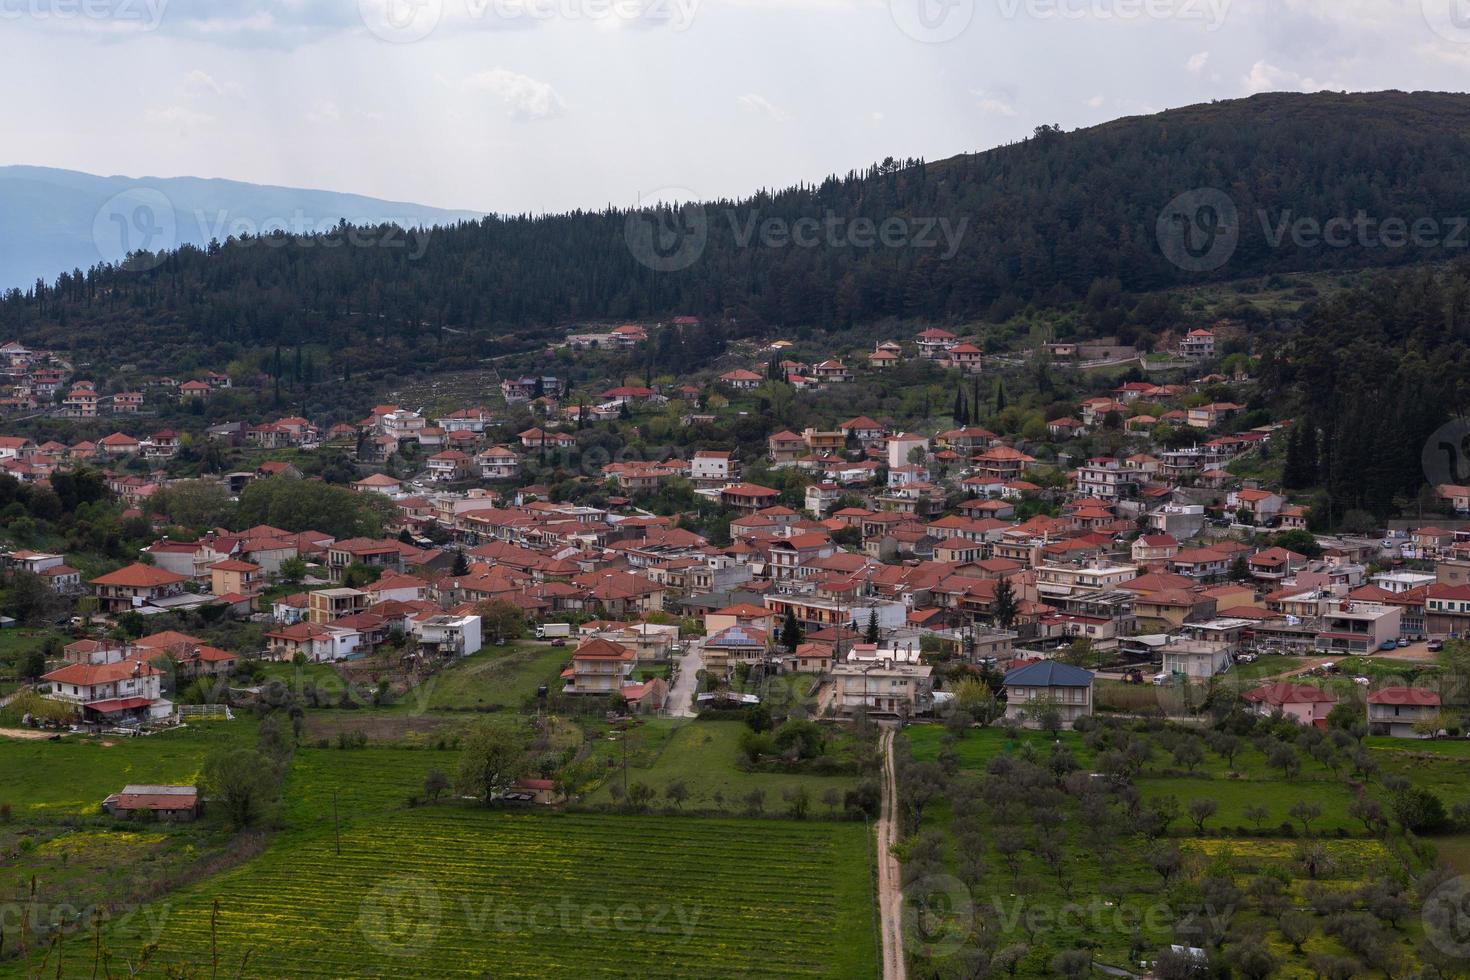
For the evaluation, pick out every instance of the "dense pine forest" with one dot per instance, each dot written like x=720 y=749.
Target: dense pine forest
x=1042 y=220
x=1375 y=371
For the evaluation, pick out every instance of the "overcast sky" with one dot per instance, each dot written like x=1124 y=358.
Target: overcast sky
x=534 y=105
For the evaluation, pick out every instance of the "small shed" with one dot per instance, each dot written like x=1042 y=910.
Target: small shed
x=178 y=804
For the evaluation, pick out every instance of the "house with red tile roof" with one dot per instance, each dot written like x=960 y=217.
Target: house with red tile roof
x=1397 y=711
x=135 y=585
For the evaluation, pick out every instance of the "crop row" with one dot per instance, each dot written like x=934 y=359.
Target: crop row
x=459 y=892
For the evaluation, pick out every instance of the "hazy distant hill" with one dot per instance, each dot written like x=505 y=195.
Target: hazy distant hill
x=54 y=221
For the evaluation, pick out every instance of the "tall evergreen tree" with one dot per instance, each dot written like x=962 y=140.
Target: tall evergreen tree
x=1004 y=609
x=791 y=632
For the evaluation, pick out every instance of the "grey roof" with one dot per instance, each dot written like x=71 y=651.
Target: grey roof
x=1048 y=673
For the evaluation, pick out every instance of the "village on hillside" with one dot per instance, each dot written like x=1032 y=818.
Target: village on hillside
x=822 y=586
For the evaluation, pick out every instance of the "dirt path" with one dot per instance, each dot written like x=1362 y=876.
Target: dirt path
x=890 y=881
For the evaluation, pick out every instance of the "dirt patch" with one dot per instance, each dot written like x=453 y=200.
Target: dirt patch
x=29 y=734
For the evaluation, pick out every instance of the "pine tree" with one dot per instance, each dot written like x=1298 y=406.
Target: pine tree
x=791 y=632
x=871 y=636
x=1000 y=396
x=1003 y=608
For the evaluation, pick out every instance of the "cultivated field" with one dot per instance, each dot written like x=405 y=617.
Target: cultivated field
x=450 y=891
x=703 y=755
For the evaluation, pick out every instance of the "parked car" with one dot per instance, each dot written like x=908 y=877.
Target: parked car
x=1246 y=658
x=1403 y=642
x=1159 y=680
x=1436 y=645
x=559 y=642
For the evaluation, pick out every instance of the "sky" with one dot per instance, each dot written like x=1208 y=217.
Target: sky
x=549 y=105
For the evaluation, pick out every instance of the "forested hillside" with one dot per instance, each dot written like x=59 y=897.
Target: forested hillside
x=1375 y=371
x=1042 y=220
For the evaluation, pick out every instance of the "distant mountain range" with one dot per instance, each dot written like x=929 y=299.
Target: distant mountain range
x=54 y=221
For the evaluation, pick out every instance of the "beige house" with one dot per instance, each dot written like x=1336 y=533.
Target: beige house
x=1067 y=688
x=600 y=667
x=882 y=687
x=234 y=577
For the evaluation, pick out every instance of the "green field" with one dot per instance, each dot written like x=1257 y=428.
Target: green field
x=450 y=891
x=365 y=782
x=702 y=754
x=71 y=776
x=496 y=677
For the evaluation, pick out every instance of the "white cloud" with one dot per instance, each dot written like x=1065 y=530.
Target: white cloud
x=1266 y=77
x=1197 y=62
x=1096 y=102
x=751 y=102
x=323 y=114
x=524 y=97
x=993 y=103
x=178 y=115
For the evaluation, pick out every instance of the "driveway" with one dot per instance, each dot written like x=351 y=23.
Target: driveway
x=686 y=681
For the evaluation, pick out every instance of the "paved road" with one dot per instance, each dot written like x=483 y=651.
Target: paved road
x=681 y=695
x=890 y=881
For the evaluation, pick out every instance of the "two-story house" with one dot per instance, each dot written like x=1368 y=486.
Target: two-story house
x=1051 y=684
